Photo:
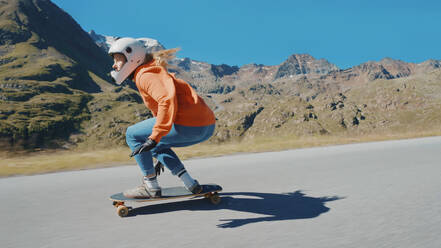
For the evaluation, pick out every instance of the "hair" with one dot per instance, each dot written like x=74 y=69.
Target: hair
x=161 y=57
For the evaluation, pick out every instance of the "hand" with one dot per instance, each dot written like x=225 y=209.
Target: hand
x=147 y=146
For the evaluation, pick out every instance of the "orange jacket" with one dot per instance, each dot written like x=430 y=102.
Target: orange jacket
x=171 y=100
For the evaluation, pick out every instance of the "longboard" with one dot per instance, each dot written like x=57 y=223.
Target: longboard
x=209 y=191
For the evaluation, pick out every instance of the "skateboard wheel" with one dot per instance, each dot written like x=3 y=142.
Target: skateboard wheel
x=215 y=198
x=122 y=211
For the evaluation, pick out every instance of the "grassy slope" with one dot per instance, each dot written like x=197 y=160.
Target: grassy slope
x=46 y=75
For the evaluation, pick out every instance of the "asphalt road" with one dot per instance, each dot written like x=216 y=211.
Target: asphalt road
x=383 y=194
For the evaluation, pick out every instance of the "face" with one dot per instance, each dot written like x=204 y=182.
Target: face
x=118 y=61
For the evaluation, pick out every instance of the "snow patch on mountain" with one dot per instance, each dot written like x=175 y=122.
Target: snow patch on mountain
x=105 y=42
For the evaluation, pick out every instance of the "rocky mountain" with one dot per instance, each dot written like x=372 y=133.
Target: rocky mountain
x=210 y=78
x=304 y=64
x=308 y=96
x=55 y=90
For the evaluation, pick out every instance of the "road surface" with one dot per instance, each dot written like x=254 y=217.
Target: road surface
x=381 y=194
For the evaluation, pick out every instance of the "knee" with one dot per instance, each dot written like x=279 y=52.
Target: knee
x=129 y=136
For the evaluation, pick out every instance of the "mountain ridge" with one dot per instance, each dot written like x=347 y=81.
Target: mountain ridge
x=212 y=78
x=55 y=90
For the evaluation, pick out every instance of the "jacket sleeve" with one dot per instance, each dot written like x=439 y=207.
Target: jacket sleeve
x=161 y=88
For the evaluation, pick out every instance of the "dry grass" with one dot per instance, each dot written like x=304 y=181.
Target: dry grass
x=45 y=162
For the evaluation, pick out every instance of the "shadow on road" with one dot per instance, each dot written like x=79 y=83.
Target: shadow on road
x=273 y=207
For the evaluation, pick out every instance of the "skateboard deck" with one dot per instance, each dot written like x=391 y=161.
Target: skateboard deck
x=209 y=191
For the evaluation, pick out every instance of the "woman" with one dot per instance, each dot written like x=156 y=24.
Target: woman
x=181 y=117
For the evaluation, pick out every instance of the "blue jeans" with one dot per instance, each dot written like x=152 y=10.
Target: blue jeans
x=178 y=136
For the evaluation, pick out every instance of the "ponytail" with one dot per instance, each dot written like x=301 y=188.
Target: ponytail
x=162 y=57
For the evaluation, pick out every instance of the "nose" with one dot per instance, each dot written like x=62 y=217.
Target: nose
x=114 y=66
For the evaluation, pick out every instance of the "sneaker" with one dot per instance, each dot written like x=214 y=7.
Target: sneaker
x=142 y=192
x=196 y=188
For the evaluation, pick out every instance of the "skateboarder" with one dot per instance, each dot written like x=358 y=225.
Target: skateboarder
x=181 y=117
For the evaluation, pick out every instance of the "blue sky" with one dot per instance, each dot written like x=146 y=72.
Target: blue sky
x=238 y=32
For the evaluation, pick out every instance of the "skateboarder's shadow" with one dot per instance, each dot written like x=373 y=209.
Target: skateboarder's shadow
x=273 y=207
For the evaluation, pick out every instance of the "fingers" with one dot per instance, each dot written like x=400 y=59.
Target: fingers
x=138 y=150
x=147 y=146
x=141 y=149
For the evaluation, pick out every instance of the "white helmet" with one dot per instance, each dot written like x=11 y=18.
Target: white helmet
x=134 y=51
